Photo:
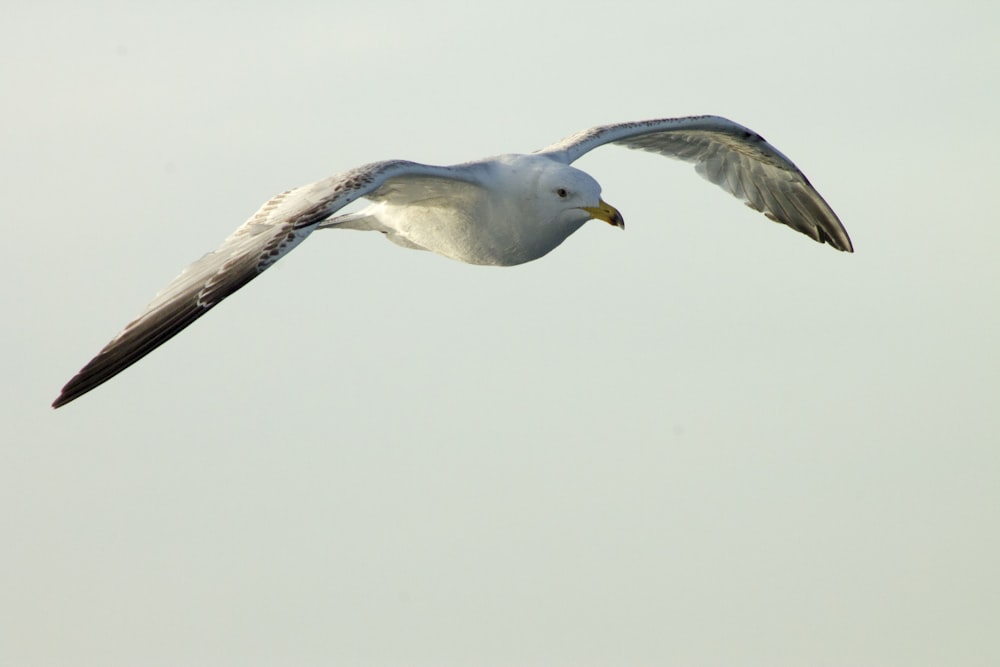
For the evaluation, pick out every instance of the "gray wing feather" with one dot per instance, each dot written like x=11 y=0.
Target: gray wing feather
x=733 y=157
x=275 y=230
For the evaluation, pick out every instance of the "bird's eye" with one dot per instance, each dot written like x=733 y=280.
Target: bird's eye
x=562 y=193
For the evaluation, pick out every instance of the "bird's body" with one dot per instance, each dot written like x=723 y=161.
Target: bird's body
x=502 y=211
x=446 y=216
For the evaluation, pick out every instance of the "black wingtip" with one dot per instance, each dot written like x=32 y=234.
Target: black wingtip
x=69 y=392
x=79 y=385
x=73 y=390
x=841 y=242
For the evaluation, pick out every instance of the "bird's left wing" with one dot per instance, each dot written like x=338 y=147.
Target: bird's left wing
x=281 y=224
x=733 y=157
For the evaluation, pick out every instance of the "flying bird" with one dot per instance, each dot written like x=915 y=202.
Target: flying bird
x=501 y=211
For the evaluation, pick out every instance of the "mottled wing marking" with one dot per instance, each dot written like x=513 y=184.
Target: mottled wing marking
x=272 y=232
x=733 y=157
x=584 y=141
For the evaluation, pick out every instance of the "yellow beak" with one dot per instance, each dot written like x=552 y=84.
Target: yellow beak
x=606 y=212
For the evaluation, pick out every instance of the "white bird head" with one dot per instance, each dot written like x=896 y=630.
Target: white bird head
x=574 y=195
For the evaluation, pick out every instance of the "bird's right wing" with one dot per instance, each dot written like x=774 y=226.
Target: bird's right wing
x=733 y=157
x=271 y=233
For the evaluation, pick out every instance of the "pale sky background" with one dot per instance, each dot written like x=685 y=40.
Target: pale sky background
x=705 y=440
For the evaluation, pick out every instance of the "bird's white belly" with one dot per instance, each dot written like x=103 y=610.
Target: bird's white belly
x=497 y=239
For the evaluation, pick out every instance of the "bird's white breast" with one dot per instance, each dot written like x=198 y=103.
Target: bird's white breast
x=503 y=223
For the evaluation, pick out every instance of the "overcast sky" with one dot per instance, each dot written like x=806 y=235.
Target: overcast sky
x=705 y=440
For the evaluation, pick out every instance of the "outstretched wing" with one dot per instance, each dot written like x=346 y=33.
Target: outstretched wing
x=736 y=159
x=270 y=234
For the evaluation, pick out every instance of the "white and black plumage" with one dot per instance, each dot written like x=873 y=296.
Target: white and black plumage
x=503 y=210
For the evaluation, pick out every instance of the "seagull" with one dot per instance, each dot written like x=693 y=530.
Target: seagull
x=500 y=211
